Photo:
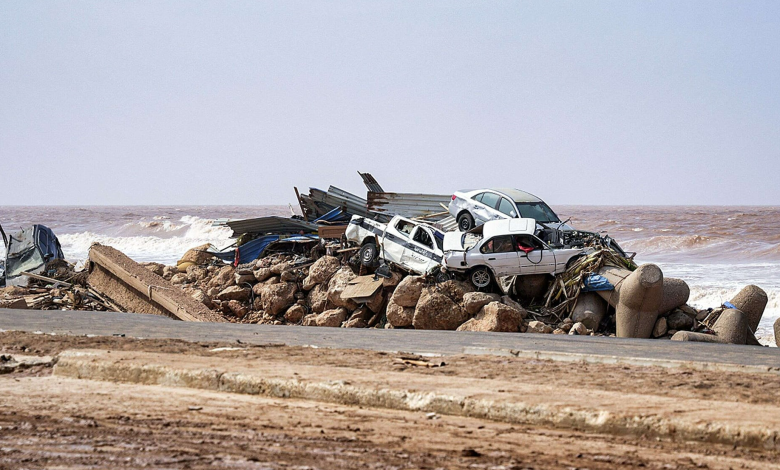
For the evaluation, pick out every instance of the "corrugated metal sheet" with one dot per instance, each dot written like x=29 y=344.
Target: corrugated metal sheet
x=271 y=224
x=371 y=183
x=409 y=205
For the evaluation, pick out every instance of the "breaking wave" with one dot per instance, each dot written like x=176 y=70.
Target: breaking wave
x=163 y=241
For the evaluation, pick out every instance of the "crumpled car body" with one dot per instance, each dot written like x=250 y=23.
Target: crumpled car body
x=473 y=208
x=506 y=247
x=411 y=245
x=28 y=251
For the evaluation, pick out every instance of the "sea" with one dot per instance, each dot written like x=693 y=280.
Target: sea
x=716 y=250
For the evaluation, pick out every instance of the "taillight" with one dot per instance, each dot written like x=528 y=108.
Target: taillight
x=453 y=197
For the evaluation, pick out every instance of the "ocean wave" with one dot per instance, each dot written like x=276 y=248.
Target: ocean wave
x=167 y=245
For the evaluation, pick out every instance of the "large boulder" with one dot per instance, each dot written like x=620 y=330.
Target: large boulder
x=336 y=287
x=197 y=256
x=455 y=290
x=295 y=313
x=751 y=300
x=278 y=297
x=474 y=301
x=321 y=271
x=223 y=278
x=436 y=311
x=261 y=274
x=590 y=310
x=676 y=293
x=399 y=316
x=332 y=318
x=408 y=291
x=317 y=298
x=234 y=293
x=732 y=326
x=495 y=316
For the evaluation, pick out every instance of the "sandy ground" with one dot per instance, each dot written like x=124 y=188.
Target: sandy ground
x=54 y=422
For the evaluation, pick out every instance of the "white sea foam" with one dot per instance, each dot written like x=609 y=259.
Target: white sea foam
x=164 y=248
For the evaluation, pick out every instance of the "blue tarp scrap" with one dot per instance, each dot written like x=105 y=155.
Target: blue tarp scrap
x=254 y=249
x=596 y=282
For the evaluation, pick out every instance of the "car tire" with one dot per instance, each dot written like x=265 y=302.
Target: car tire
x=481 y=277
x=442 y=276
x=465 y=222
x=368 y=254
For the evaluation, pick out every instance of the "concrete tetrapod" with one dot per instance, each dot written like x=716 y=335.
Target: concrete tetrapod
x=637 y=298
x=751 y=300
x=732 y=326
x=777 y=332
x=696 y=337
x=676 y=293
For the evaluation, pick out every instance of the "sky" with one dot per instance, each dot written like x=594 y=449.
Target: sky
x=230 y=102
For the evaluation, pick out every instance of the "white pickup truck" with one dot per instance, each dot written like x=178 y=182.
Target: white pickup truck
x=413 y=246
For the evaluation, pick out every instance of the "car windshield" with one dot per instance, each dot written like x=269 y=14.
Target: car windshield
x=538 y=211
x=470 y=240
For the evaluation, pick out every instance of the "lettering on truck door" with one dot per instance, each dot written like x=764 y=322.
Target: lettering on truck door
x=421 y=254
x=396 y=239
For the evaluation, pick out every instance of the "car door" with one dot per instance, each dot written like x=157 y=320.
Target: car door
x=484 y=210
x=419 y=254
x=528 y=253
x=543 y=258
x=499 y=253
x=395 y=240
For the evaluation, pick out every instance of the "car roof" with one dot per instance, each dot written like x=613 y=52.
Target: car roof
x=513 y=226
x=513 y=194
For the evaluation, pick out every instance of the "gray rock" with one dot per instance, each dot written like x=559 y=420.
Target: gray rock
x=578 y=329
x=777 y=332
x=677 y=320
x=660 y=328
x=590 y=310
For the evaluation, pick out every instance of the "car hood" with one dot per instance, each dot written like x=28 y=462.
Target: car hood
x=453 y=241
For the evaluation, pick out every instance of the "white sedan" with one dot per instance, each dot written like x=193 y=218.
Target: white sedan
x=506 y=247
x=473 y=208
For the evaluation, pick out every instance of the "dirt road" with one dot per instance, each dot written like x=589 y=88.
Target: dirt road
x=49 y=421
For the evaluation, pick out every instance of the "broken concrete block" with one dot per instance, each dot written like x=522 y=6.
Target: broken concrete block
x=696 y=337
x=538 y=327
x=408 y=291
x=474 y=301
x=590 y=310
x=436 y=311
x=495 y=316
x=751 y=301
x=676 y=294
x=732 y=326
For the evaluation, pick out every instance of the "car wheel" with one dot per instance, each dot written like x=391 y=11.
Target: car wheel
x=368 y=254
x=480 y=277
x=465 y=222
x=442 y=276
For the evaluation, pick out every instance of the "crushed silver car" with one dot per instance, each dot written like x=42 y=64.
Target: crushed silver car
x=28 y=251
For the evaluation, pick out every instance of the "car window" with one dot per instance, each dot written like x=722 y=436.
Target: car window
x=422 y=237
x=404 y=227
x=500 y=244
x=538 y=211
x=478 y=197
x=506 y=207
x=527 y=243
x=490 y=200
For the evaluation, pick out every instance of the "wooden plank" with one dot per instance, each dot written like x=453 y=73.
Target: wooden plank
x=331 y=231
x=362 y=287
x=48 y=279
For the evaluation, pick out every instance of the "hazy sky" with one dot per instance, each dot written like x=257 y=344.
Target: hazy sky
x=229 y=102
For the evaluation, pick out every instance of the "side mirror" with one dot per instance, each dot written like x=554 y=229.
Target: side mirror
x=513 y=213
